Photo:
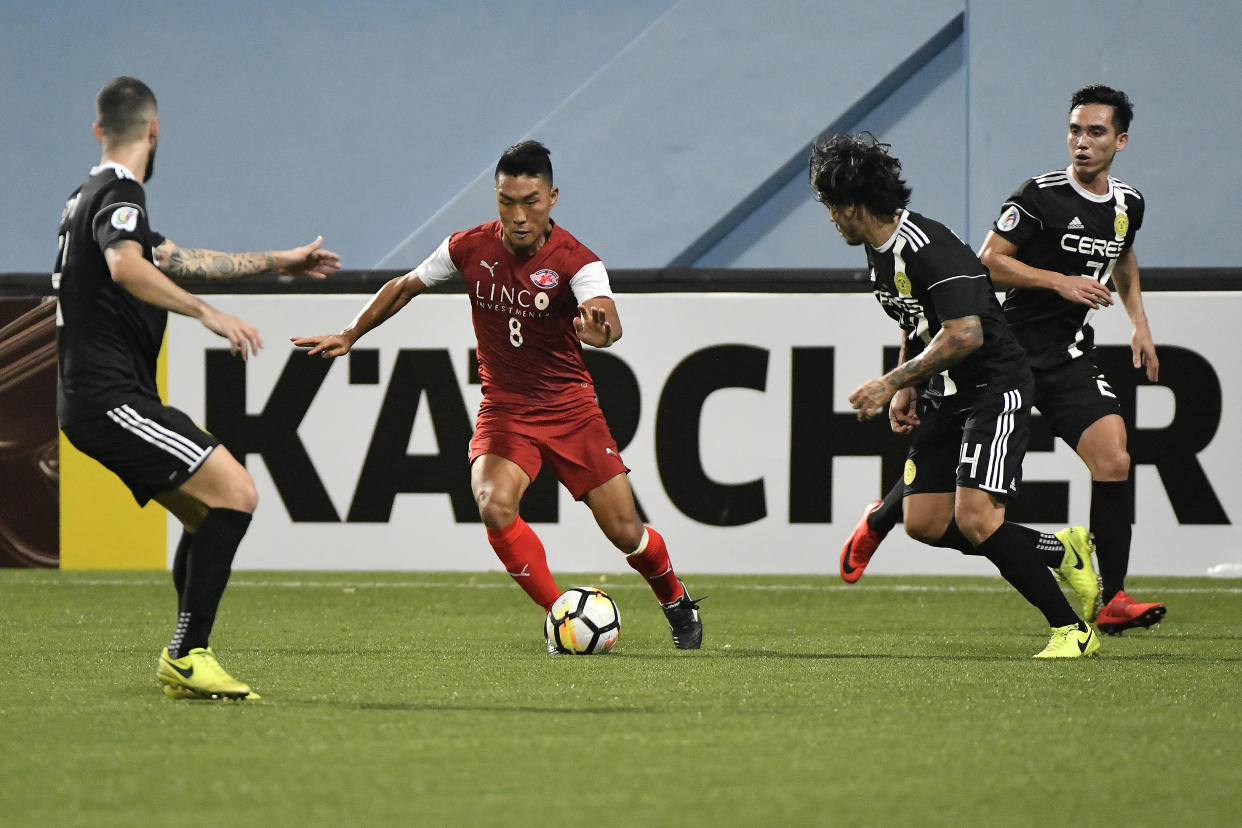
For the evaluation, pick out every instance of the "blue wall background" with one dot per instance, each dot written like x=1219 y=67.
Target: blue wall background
x=678 y=128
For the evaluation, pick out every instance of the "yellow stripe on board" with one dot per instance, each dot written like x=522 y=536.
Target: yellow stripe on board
x=101 y=525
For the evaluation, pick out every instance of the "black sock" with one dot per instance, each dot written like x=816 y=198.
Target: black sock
x=888 y=513
x=1110 y=523
x=180 y=561
x=954 y=539
x=1051 y=551
x=208 y=564
x=1012 y=550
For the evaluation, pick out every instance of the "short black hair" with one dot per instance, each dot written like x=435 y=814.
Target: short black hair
x=857 y=169
x=122 y=104
x=1098 y=93
x=526 y=158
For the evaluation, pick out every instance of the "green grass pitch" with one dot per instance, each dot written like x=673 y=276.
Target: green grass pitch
x=427 y=699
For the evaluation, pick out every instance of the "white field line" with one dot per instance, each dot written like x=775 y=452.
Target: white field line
x=612 y=585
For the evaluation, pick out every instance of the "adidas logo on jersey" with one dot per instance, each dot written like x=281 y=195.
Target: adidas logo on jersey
x=1075 y=223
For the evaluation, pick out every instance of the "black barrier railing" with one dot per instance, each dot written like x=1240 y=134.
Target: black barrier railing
x=656 y=280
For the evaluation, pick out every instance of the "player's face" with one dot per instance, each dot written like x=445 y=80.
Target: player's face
x=847 y=220
x=1093 y=140
x=525 y=203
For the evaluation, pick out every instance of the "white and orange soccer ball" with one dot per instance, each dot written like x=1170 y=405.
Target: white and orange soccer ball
x=583 y=621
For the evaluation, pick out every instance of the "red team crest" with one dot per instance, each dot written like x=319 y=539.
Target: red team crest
x=545 y=279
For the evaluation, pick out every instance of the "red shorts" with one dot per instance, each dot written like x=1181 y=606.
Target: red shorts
x=574 y=441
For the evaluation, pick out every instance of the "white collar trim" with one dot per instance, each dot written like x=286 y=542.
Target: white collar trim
x=1084 y=192
x=113 y=165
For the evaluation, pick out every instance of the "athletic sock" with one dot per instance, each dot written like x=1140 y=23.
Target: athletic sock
x=651 y=561
x=1110 y=523
x=954 y=539
x=524 y=558
x=180 y=561
x=1051 y=551
x=888 y=513
x=1012 y=550
x=208 y=563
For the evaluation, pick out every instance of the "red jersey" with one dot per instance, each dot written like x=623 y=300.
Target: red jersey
x=523 y=310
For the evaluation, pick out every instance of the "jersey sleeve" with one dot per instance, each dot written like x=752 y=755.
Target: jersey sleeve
x=956 y=282
x=1021 y=218
x=1136 y=209
x=122 y=216
x=954 y=297
x=590 y=282
x=438 y=267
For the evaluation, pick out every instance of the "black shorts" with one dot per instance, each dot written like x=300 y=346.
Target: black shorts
x=151 y=447
x=975 y=444
x=1073 y=396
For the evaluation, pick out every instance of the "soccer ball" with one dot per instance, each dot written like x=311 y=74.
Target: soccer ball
x=583 y=621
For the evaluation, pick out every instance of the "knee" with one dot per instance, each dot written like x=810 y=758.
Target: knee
x=626 y=535
x=1112 y=467
x=243 y=494
x=924 y=531
x=975 y=527
x=495 y=510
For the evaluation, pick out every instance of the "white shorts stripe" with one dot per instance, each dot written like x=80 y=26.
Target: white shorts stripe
x=994 y=479
x=157 y=435
x=190 y=445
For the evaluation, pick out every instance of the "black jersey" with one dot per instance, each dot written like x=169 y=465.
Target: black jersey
x=924 y=275
x=1057 y=225
x=108 y=340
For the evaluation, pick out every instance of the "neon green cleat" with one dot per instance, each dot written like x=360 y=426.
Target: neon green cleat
x=197 y=675
x=1077 y=571
x=1070 y=642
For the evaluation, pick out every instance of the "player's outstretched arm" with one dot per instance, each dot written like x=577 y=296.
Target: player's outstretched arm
x=192 y=262
x=389 y=299
x=1142 y=347
x=131 y=270
x=998 y=254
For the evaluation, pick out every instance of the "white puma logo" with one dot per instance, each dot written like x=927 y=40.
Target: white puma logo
x=491 y=268
x=524 y=572
x=610 y=451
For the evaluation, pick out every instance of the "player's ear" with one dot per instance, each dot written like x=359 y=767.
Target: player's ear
x=1122 y=140
x=97 y=132
x=153 y=128
x=552 y=195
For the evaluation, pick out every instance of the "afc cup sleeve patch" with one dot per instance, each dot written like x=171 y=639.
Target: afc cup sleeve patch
x=1009 y=218
x=125 y=218
x=911 y=472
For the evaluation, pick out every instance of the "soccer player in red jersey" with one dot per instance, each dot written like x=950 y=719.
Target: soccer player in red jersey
x=536 y=294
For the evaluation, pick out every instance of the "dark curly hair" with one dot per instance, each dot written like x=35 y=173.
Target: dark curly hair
x=1098 y=93
x=857 y=169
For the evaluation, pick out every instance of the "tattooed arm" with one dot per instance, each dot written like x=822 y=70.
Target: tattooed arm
x=956 y=340
x=190 y=262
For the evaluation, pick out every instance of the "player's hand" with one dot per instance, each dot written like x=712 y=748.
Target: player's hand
x=870 y=398
x=903 y=411
x=592 y=326
x=242 y=336
x=1144 y=352
x=328 y=347
x=309 y=260
x=1083 y=290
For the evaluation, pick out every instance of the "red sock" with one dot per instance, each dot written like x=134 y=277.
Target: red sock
x=521 y=551
x=651 y=561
